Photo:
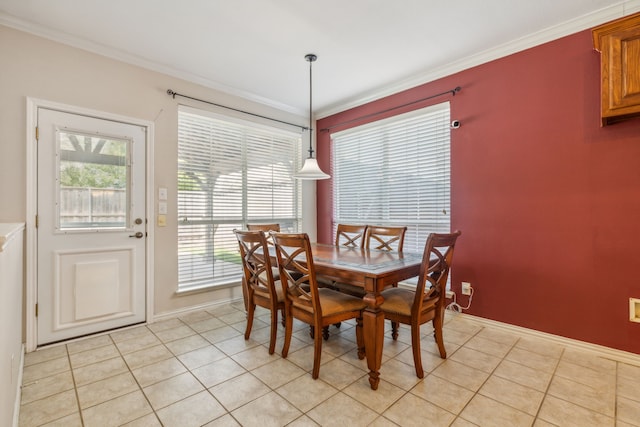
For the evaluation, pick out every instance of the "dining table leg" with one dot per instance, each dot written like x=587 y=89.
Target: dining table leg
x=373 y=328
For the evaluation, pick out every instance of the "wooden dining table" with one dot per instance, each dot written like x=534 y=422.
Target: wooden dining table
x=372 y=270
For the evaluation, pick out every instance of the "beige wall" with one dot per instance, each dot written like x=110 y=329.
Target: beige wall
x=31 y=66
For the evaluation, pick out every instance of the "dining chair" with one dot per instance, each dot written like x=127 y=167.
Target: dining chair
x=384 y=238
x=350 y=235
x=305 y=301
x=426 y=302
x=379 y=238
x=261 y=287
x=266 y=228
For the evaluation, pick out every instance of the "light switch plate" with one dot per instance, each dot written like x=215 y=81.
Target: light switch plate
x=162 y=208
x=162 y=220
x=162 y=193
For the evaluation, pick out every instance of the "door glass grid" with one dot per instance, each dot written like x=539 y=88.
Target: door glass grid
x=93 y=176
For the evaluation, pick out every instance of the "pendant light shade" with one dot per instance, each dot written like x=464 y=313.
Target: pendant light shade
x=311 y=169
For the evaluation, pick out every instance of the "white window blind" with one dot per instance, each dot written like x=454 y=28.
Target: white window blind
x=230 y=172
x=395 y=172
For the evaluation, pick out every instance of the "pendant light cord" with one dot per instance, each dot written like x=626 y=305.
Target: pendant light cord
x=311 y=58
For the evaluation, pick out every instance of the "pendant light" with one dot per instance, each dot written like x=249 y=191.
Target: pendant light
x=310 y=168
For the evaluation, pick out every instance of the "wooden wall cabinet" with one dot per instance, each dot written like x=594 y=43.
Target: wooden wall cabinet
x=619 y=44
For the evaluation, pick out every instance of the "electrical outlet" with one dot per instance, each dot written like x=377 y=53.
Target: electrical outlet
x=449 y=294
x=466 y=288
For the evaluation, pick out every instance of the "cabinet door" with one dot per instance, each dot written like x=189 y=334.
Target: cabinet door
x=619 y=44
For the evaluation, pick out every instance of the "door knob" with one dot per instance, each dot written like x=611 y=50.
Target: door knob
x=138 y=235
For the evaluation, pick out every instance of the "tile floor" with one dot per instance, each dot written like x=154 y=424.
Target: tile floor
x=197 y=370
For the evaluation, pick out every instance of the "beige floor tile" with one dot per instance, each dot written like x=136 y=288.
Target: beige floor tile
x=588 y=360
x=392 y=348
x=171 y=390
x=596 y=398
x=629 y=410
x=187 y=344
x=148 y=356
x=88 y=357
x=303 y=421
x=295 y=345
x=239 y=391
x=72 y=420
x=586 y=376
x=233 y=317
x=444 y=394
x=140 y=342
x=430 y=360
x=45 y=369
x=159 y=371
x=488 y=346
x=237 y=344
x=163 y=325
x=207 y=325
x=462 y=375
x=254 y=357
x=47 y=386
x=149 y=420
x=115 y=412
x=195 y=317
x=88 y=344
x=497 y=335
x=523 y=375
x=532 y=360
x=410 y=410
x=382 y=422
x=459 y=422
x=400 y=374
x=45 y=354
x=224 y=421
x=278 y=372
x=305 y=393
x=129 y=333
x=220 y=334
x=193 y=411
x=217 y=372
x=517 y=396
x=266 y=411
x=487 y=412
x=337 y=346
x=340 y=374
x=304 y=358
x=107 y=389
x=540 y=346
x=566 y=414
x=99 y=371
x=49 y=409
x=378 y=400
x=202 y=356
x=476 y=359
x=342 y=410
x=173 y=334
x=628 y=384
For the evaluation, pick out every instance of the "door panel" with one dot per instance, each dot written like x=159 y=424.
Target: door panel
x=91 y=225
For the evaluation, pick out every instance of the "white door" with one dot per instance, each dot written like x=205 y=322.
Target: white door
x=91 y=225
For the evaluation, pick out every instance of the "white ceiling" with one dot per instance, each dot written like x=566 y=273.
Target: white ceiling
x=255 y=48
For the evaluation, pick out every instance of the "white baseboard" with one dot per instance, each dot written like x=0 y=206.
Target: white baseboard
x=183 y=311
x=598 y=350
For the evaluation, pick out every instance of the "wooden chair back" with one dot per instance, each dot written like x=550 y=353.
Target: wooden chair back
x=256 y=263
x=265 y=228
x=350 y=235
x=384 y=238
x=434 y=272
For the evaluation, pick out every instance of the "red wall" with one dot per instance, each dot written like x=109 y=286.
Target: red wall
x=547 y=200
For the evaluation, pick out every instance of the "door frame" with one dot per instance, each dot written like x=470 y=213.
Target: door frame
x=31 y=243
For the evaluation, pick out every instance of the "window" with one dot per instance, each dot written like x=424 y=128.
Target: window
x=230 y=172
x=395 y=172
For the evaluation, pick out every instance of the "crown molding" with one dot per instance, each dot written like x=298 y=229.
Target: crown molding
x=535 y=39
x=100 y=49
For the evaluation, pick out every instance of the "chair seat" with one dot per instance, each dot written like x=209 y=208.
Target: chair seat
x=400 y=300
x=279 y=292
x=334 y=302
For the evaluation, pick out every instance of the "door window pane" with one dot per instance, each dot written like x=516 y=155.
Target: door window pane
x=93 y=175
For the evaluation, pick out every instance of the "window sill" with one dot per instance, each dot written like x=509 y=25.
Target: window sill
x=207 y=287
